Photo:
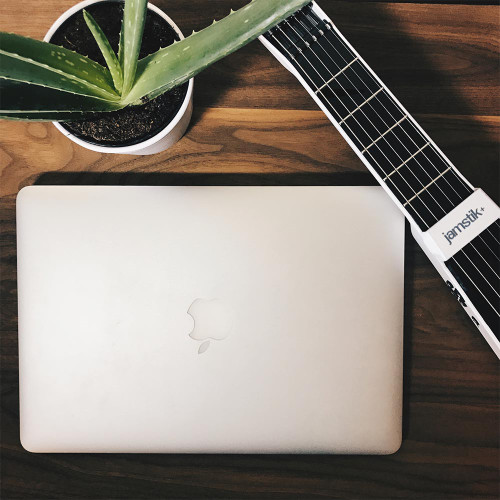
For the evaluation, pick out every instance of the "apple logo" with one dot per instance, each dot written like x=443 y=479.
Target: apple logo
x=212 y=321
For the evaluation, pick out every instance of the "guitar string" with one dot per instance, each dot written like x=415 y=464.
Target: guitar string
x=387 y=125
x=434 y=215
x=335 y=32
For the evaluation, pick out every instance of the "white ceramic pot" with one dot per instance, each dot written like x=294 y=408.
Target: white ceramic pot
x=162 y=140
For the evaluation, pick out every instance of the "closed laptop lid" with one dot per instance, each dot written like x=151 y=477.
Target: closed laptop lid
x=210 y=319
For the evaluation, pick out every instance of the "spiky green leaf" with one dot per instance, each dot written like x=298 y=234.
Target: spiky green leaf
x=35 y=101
x=134 y=16
x=26 y=60
x=120 y=45
x=106 y=50
x=177 y=63
x=46 y=116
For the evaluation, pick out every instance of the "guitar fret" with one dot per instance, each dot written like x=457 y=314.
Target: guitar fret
x=374 y=120
x=430 y=204
x=336 y=75
x=405 y=162
x=426 y=187
x=442 y=195
x=396 y=148
x=444 y=190
x=342 y=95
x=383 y=135
x=460 y=190
x=360 y=106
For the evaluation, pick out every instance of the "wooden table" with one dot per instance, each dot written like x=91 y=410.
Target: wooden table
x=254 y=124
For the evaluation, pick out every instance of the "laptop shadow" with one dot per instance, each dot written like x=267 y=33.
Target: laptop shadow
x=206 y=179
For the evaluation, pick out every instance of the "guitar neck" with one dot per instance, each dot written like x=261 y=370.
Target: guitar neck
x=406 y=162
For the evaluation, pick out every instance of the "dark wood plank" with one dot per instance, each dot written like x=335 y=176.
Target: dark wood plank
x=253 y=124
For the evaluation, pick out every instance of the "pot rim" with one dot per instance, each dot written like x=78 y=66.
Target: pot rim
x=134 y=148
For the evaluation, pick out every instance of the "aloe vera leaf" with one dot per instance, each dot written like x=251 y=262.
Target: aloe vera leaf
x=134 y=18
x=106 y=50
x=28 y=60
x=174 y=65
x=21 y=98
x=120 y=46
x=47 y=116
x=22 y=70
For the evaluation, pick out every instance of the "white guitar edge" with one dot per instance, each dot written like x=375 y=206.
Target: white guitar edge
x=456 y=289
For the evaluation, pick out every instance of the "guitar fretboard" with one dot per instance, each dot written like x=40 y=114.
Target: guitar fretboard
x=403 y=157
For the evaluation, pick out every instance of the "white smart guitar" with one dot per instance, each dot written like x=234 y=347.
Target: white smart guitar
x=457 y=226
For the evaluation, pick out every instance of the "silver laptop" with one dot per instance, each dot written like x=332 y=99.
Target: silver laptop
x=210 y=319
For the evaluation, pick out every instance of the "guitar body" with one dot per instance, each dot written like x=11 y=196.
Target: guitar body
x=457 y=226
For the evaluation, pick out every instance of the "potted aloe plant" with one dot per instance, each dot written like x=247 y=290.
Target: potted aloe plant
x=126 y=87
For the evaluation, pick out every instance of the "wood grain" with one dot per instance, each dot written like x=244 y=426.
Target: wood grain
x=254 y=124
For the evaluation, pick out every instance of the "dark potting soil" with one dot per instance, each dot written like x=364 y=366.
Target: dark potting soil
x=132 y=124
